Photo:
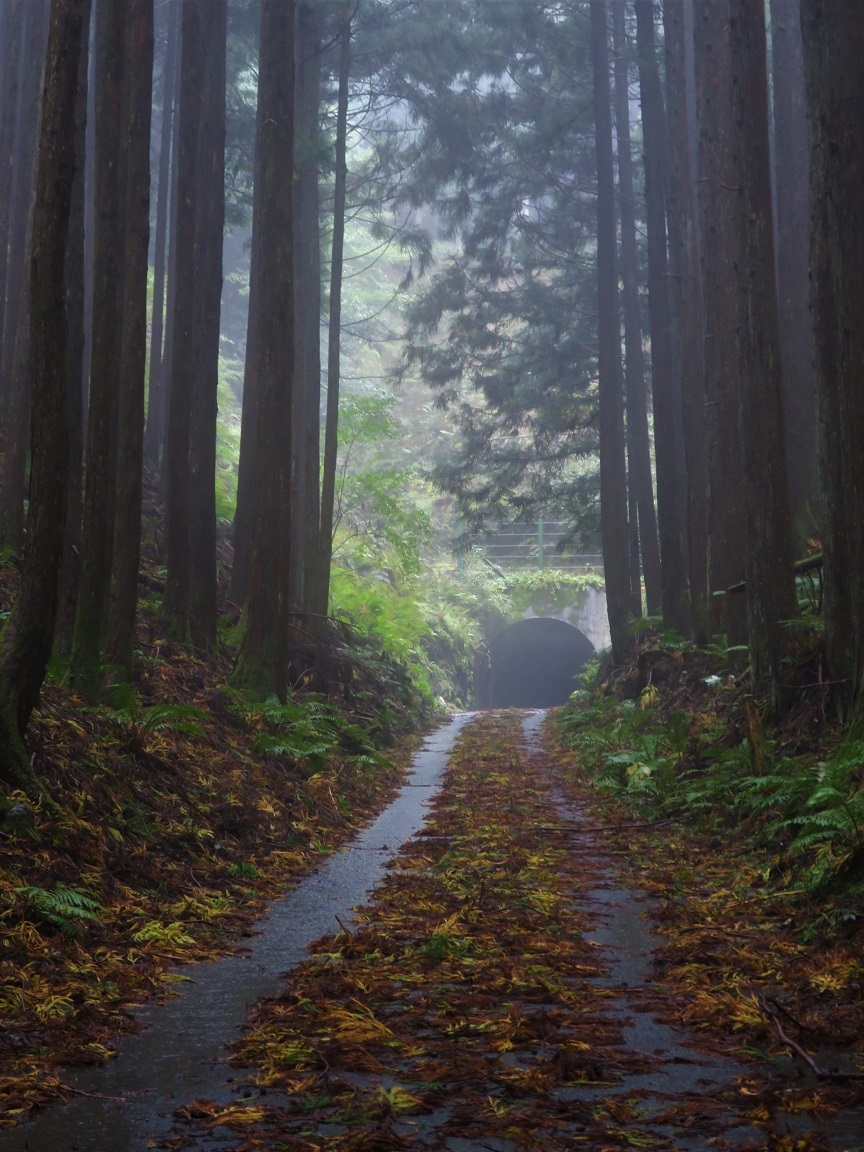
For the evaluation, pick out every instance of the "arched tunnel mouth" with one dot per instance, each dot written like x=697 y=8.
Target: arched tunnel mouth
x=536 y=663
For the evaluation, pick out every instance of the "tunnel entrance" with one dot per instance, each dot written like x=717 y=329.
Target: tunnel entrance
x=534 y=663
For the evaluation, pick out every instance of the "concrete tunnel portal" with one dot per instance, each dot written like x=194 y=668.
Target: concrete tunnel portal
x=535 y=663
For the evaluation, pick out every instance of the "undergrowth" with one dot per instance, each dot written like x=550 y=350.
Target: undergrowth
x=171 y=815
x=679 y=738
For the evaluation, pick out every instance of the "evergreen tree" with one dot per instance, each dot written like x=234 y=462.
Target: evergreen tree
x=14 y=354
x=306 y=422
x=640 y=484
x=14 y=31
x=120 y=632
x=76 y=277
x=718 y=183
x=99 y=492
x=770 y=580
x=263 y=662
x=833 y=37
x=157 y=378
x=792 y=219
x=686 y=285
x=502 y=149
x=189 y=605
x=331 y=436
x=613 y=481
x=28 y=634
x=665 y=380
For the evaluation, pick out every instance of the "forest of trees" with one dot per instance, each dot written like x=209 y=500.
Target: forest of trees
x=665 y=287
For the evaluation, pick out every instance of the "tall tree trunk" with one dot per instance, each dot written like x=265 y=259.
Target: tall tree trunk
x=10 y=53
x=14 y=363
x=210 y=225
x=770 y=579
x=307 y=340
x=331 y=431
x=613 y=476
x=68 y=594
x=245 y=508
x=665 y=383
x=638 y=435
x=833 y=37
x=120 y=633
x=262 y=664
x=89 y=216
x=184 y=350
x=718 y=184
x=171 y=266
x=633 y=542
x=155 y=432
x=85 y=671
x=792 y=202
x=686 y=284
x=27 y=637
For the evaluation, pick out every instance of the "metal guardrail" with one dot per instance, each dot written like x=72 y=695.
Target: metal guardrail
x=536 y=546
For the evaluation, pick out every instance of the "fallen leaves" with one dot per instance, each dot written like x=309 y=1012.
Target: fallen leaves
x=728 y=947
x=468 y=1002
x=167 y=839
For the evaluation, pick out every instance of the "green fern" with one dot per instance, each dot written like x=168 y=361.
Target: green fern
x=138 y=724
x=307 y=733
x=183 y=718
x=64 y=908
x=837 y=800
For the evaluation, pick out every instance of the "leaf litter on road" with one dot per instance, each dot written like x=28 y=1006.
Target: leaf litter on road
x=469 y=1007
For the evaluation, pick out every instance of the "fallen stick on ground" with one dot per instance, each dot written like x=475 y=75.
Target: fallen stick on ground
x=817 y=1070
x=99 y=1096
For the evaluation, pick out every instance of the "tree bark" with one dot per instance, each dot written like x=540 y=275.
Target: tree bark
x=633 y=542
x=262 y=664
x=99 y=491
x=833 y=37
x=28 y=635
x=613 y=476
x=89 y=218
x=10 y=53
x=792 y=202
x=638 y=435
x=75 y=276
x=120 y=633
x=331 y=430
x=14 y=363
x=306 y=420
x=155 y=430
x=686 y=285
x=175 y=605
x=665 y=383
x=719 y=191
x=770 y=579
x=244 y=512
x=210 y=226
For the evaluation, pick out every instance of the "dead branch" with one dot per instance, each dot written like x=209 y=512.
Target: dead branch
x=818 y=1071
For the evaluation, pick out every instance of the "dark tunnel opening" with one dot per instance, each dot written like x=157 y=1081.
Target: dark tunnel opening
x=536 y=663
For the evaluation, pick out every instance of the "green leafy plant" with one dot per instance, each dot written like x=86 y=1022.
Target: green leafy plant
x=163 y=935
x=306 y=732
x=62 y=907
x=832 y=822
x=138 y=724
